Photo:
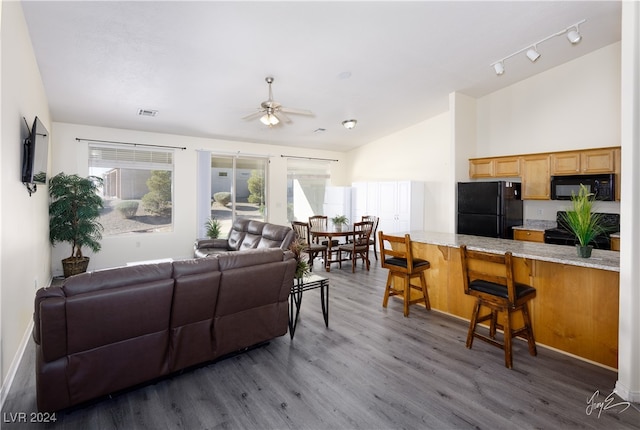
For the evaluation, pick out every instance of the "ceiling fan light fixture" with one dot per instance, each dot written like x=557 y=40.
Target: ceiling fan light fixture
x=269 y=119
x=349 y=123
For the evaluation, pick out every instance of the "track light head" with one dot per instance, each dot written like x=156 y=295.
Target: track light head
x=533 y=54
x=499 y=68
x=574 y=36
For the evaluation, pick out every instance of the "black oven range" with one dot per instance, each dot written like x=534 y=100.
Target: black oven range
x=561 y=235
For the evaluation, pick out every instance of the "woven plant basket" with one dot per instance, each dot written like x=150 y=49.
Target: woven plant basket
x=74 y=266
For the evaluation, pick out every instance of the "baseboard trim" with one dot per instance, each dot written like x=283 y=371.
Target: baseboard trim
x=15 y=363
x=626 y=393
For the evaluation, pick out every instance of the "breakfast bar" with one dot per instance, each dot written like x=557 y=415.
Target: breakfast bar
x=576 y=307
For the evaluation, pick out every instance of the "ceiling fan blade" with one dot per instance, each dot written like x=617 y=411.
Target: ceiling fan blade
x=296 y=111
x=254 y=115
x=281 y=116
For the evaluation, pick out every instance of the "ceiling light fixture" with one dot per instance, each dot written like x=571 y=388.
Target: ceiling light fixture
x=269 y=119
x=533 y=54
x=349 y=123
x=573 y=35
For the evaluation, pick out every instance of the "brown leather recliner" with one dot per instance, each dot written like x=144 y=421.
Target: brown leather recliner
x=107 y=330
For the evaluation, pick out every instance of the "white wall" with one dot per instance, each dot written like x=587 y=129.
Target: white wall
x=628 y=384
x=418 y=153
x=70 y=156
x=572 y=106
x=24 y=226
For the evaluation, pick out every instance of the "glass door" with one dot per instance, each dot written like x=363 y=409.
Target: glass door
x=238 y=189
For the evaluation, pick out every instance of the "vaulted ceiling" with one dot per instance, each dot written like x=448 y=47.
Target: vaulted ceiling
x=202 y=65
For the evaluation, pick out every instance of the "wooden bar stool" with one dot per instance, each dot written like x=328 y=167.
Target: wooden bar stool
x=395 y=255
x=489 y=278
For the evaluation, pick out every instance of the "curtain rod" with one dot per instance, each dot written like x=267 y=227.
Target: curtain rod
x=78 y=139
x=307 y=158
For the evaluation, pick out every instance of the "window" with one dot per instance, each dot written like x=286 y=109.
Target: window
x=138 y=188
x=307 y=181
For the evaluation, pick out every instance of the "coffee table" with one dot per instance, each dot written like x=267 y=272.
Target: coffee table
x=306 y=283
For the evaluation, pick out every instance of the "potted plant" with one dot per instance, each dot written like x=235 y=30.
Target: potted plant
x=302 y=268
x=73 y=217
x=582 y=221
x=339 y=220
x=213 y=228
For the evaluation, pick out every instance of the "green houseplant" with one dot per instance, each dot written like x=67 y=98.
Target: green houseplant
x=302 y=267
x=74 y=210
x=339 y=220
x=213 y=228
x=582 y=221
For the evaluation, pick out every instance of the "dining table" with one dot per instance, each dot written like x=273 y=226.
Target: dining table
x=331 y=232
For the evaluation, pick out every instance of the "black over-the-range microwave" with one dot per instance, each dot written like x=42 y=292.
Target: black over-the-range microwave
x=603 y=186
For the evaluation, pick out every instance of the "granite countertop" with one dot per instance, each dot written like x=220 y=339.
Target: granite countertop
x=561 y=254
x=536 y=225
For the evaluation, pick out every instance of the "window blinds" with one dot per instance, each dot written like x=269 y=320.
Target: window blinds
x=111 y=156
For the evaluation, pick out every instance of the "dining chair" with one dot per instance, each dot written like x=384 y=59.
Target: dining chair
x=374 y=232
x=489 y=278
x=321 y=222
x=396 y=256
x=301 y=230
x=359 y=246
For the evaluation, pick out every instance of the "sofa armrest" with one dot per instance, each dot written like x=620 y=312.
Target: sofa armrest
x=50 y=307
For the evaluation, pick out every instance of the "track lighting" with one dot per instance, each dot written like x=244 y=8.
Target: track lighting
x=533 y=54
x=573 y=35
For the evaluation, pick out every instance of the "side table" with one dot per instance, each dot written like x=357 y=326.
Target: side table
x=306 y=283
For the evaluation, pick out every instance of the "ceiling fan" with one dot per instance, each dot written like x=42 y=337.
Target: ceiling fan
x=272 y=113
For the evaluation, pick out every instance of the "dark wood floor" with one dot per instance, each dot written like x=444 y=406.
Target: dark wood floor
x=371 y=369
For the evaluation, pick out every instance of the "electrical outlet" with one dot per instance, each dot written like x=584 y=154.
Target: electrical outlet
x=540 y=212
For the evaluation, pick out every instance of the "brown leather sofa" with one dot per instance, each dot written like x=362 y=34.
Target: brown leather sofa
x=103 y=331
x=246 y=234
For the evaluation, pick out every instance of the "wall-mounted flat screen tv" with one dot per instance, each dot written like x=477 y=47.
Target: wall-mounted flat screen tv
x=35 y=154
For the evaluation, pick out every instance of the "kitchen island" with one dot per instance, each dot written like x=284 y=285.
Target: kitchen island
x=576 y=307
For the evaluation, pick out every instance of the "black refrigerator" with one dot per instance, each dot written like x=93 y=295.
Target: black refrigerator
x=489 y=209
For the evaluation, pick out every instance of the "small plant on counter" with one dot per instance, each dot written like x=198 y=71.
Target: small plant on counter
x=582 y=221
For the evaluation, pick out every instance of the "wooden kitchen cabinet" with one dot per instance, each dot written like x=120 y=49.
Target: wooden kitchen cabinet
x=565 y=163
x=597 y=161
x=481 y=168
x=507 y=167
x=583 y=162
x=529 y=235
x=615 y=244
x=534 y=171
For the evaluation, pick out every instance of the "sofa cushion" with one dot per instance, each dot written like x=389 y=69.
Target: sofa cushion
x=275 y=236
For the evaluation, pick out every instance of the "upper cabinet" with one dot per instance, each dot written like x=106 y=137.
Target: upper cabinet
x=499 y=167
x=583 y=162
x=535 y=177
x=536 y=170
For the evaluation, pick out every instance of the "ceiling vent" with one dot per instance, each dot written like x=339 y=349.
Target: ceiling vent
x=147 y=112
